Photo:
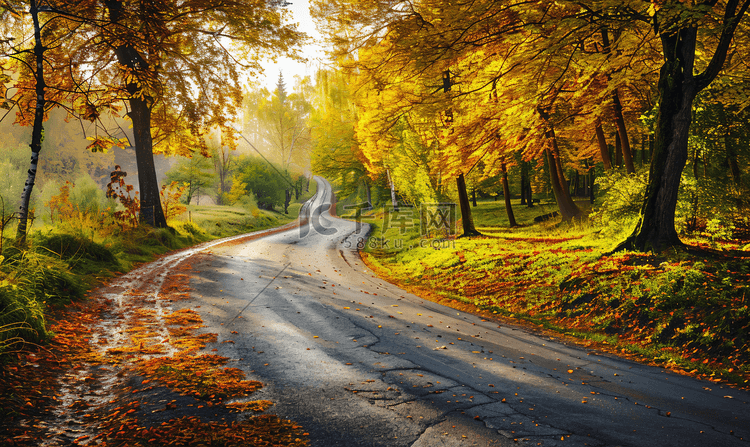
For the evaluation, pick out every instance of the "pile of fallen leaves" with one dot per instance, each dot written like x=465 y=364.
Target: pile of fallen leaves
x=161 y=388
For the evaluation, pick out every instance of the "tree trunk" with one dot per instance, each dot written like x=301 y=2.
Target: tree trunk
x=730 y=149
x=524 y=174
x=368 y=192
x=37 y=130
x=592 y=180
x=506 y=194
x=568 y=208
x=463 y=202
x=140 y=114
x=622 y=132
x=734 y=166
x=529 y=191
x=618 y=151
x=656 y=227
x=602 y=141
x=474 y=197
x=151 y=210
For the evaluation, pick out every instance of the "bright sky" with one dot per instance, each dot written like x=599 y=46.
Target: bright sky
x=313 y=52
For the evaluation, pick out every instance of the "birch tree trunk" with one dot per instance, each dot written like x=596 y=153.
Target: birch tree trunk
x=37 y=130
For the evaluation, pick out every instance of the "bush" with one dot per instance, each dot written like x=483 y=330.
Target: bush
x=47 y=278
x=192 y=229
x=619 y=201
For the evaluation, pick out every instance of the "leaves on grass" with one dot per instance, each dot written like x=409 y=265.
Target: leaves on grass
x=678 y=311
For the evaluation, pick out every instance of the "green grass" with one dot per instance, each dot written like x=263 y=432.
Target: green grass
x=674 y=309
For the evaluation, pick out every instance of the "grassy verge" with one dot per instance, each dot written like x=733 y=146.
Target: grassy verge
x=688 y=312
x=63 y=261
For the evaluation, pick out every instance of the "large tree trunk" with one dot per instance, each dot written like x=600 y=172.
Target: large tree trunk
x=602 y=142
x=151 y=210
x=565 y=204
x=656 y=226
x=140 y=114
x=463 y=202
x=36 y=131
x=506 y=195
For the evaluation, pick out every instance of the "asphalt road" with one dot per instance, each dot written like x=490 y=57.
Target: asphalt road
x=359 y=362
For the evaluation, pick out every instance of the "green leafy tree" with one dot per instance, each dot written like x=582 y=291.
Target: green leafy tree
x=195 y=173
x=265 y=181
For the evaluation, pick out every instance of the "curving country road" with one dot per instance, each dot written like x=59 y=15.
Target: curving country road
x=359 y=362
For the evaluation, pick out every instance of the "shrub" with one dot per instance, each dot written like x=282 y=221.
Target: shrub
x=192 y=229
x=620 y=200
